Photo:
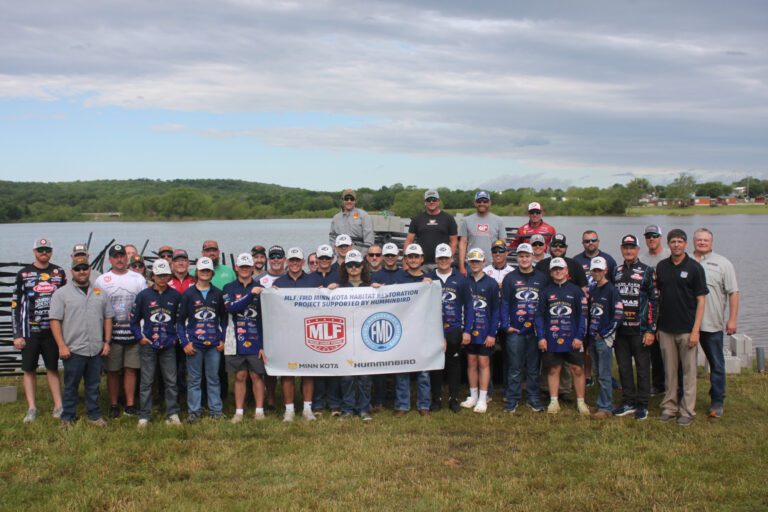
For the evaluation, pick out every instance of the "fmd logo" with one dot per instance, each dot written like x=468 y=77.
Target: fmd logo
x=381 y=332
x=325 y=334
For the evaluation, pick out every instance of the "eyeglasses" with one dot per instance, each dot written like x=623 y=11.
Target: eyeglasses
x=374 y=255
x=44 y=250
x=538 y=244
x=482 y=201
x=431 y=200
x=652 y=235
x=590 y=240
x=534 y=212
x=349 y=198
x=498 y=251
x=80 y=268
x=353 y=264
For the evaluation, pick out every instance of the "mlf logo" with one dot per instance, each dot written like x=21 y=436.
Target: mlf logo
x=325 y=334
x=381 y=332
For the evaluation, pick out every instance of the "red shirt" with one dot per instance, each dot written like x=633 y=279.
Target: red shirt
x=527 y=231
x=181 y=286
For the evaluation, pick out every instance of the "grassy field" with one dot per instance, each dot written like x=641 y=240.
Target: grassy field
x=446 y=462
x=740 y=209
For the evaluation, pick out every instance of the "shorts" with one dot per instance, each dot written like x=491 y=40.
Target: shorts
x=36 y=346
x=478 y=349
x=551 y=359
x=252 y=363
x=122 y=356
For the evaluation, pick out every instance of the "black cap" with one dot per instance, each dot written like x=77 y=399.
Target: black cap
x=276 y=251
x=629 y=240
x=258 y=249
x=116 y=249
x=559 y=238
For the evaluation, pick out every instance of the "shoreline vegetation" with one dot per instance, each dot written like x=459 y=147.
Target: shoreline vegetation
x=187 y=200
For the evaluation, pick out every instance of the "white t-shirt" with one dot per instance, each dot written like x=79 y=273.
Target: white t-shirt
x=498 y=273
x=121 y=290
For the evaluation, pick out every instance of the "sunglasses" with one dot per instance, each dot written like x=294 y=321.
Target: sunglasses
x=590 y=240
x=498 y=251
x=538 y=244
x=324 y=258
x=165 y=254
x=482 y=201
x=136 y=265
x=654 y=235
x=431 y=200
x=44 y=250
x=349 y=198
x=374 y=255
x=560 y=246
x=534 y=212
x=353 y=264
x=276 y=256
x=80 y=268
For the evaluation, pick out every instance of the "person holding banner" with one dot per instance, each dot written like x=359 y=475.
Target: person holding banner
x=324 y=275
x=242 y=301
x=458 y=317
x=481 y=345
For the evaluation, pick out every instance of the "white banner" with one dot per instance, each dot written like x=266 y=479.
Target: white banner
x=353 y=331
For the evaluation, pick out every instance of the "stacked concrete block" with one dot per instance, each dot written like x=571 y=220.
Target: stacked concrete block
x=741 y=346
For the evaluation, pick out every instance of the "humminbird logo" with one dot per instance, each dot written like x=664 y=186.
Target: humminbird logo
x=381 y=364
x=325 y=334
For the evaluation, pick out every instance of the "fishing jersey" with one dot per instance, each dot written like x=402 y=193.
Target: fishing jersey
x=606 y=311
x=122 y=290
x=245 y=308
x=486 y=304
x=519 y=299
x=303 y=281
x=457 y=304
x=32 y=299
x=575 y=272
x=159 y=312
x=585 y=261
x=497 y=273
x=525 y=232
x=636 y=284
x=266 y=279
x=385 y=276
x=561 y=316
x=404 y=277
x=181 y=285
x=202 y=321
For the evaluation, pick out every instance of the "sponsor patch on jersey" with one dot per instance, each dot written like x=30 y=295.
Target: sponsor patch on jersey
x=683 y=274
x=483 y=228
x=247 y=344
x=636 y=277
x=554 y=328
x=153 y=304
x=432 y=222
x=97 y=291
x=44 y=276
x=325 y=334
x=44 y=288
x=475 y=333
x=200 y=331
x=560 y=341
x=240 y=330
x=527 y=324
x=355 y=215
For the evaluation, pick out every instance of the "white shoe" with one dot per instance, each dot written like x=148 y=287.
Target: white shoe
x=583 y=408
x=469 y=403
x=173 y=419
x=308 y=415
x=57 y=413
x=553 y=407
x=30 y=416
x=259 y=415
x=481 y=407
x=288 y=416
x=237 y=418
x=143 y=423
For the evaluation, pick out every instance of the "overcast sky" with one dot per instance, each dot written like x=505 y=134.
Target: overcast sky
x=329 y=94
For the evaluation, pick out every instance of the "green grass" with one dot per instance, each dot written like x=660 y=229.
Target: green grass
x=739 y=209
x=446 y=462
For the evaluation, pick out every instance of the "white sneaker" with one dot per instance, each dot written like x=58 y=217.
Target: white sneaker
x=57 y=413
x=553 y=407
x=583 y=408
x=143 y=423
x=173 y=419
x=288 y=416
x=481 y=407
x=469 y=403
x=308 y=415
x=30 y=416
x=259 y=415
x=237 y=418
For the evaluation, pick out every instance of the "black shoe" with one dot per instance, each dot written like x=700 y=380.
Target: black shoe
x=454 y=405
x=114 y=411
x=436 y=406
x=132 y=410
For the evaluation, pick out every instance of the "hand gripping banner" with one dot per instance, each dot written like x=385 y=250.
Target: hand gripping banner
x=353 y=331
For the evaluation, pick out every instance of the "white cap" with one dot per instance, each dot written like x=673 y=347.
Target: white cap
x=538 y=238
x=599 y=263
x=294 y=253
x=431 y=194
x=343 y=240
x=161 y=267
x=525 y=248
x=244 y=260
x=414 y=249
x=390 y=249
x=204 y=264
x=534 y=206
x=476 y=254
x=324 y=250
x=557 y=263
x=443 y=251
x=353 y=256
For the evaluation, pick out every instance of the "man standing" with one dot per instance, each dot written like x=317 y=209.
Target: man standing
x=656 y=250
x=259 y=254
x=480 y=229
x=723 y=292
x=222 y=273
x=82 y=250
x=499 y=268
x=591 y=243
x=682 y=297
x=389 y=271
x=535 y=225
x=121 y=286
x=165 y=252
x=374 y=258
x=275 y=267
x=636 y=283
x=539 y=246
x=35 y=283
x=557 y=248
x=431 y=228
x=181 y=280
x=352 y=221
x=81 y=323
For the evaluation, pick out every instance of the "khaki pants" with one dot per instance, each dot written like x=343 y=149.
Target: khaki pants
x=674 y=351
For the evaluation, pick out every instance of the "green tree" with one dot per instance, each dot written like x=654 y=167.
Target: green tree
x=682 y=187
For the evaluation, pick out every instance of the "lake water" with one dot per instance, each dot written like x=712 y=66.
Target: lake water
x=741 y=238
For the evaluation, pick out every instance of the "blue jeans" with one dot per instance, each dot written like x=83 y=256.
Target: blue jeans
x=77 y=368
x=326 y=392
x=209 y=357
x=360 y=403
x=602 y=357
x=522 y=352
x=150 y=359
x=403 y=391
x=712 y=344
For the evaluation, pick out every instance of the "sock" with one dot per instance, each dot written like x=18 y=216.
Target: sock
x=579 y=400
x=289 y=407
x=483 y=395
x=473 y=393
x=307 y=406
x=553 y=399
x=260 y=409
x=238 y=412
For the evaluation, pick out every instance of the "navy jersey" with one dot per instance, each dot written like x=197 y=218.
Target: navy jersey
x=458 y=308
x=561 y=316
x=385 y=276
x=245 y=308
x=606 y=311
x=159 y=313
x=519 y=299
x=636 y=284
x=325 y=279
x=585 y=262
x=486 y=303
x=303 y=281
x=32 y=298
x=403 y=277
x=202 y=320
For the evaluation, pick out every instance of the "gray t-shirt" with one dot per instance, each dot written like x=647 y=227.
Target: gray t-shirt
x=82 y=317
x=721 y=282
x=482 y=231
x=650 y=259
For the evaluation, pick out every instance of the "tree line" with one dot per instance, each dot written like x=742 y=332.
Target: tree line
x=145 y=199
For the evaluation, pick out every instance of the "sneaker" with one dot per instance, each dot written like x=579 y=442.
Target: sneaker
x=56 y=413
x=317 y=412
x=259 y=415
x=99 y=422
x=684 y=421
x=423 y=412
x=716 y=412
x=217 y=417
x=114 y=412
x=173 y=419
x=641 y=413
x=481 y=407
x=288 y=416
x=469 y=403
x=453 y=405
x=365 y=416
x=399 y=413
x=623 y=410
x=335 y=413
x=657 y=391
x=307 y=414
x=510 y=408
x=143 y=423
x=131 y=410
x=665 y=417
x=553 y=407
x=237 y=418
x=537 y=407
x=583 y=408
x=30 y=416
x=66 y=424
x=193 y=417
x=346 y=415
x=601 y=415
x=436 y=406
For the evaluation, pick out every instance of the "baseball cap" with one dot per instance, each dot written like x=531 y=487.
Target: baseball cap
x=161 y=267
x=443 y=251
x=80 y=260
x=325 y=251
x=78 y=249
x=598 y=263
x=136 y=259
x=538 y=238
x=353 y=256
x=413 y=249
x=276 y=251
x=525 y=248
x=165 y=248
x=559 y=238
x=390 y=249
x=180 y=253
x=294 y=253
x=205 y=264
x=476 y=254
x=534 y=206
x=653 y=229
x=431 y=194
x=116 y=249
x=258 y=249
x=244 y=260
x=482 y=194
x=348 y=192
x=42 y=242
x=557 y=263
x=629 y=240
x=499 y=244
x=343 y=240
x=210 y=244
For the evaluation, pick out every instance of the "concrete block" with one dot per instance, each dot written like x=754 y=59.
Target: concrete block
x=8 y=394
x=732 y=364
x=741 y=346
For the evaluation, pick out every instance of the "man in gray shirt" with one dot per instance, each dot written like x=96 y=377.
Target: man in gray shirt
x=656 y=250
x=81 y=323
x=480 y=229
x=352 y=221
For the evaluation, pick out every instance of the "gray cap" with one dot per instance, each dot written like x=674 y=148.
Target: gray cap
x=431 y=194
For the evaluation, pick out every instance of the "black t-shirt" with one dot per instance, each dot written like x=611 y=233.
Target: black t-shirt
x=575 y=271
x=431 y=231
x=679 y=285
